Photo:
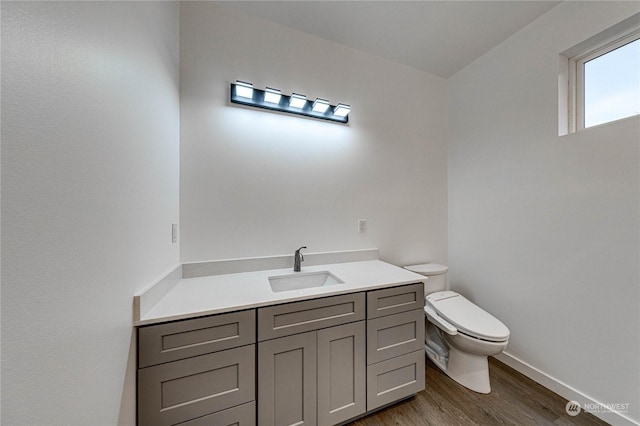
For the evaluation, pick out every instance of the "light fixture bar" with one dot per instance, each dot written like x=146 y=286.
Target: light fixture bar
x=245 y=94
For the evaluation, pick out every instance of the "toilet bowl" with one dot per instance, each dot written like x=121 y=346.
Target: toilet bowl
x=459 y=335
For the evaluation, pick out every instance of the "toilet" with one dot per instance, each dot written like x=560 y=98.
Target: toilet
x=459 y=335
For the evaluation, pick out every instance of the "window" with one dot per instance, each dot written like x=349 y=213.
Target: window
x=608 y=83
x=602 y=79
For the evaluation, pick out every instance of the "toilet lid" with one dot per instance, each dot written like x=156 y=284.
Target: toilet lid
x=466 y=317
x=428 y=269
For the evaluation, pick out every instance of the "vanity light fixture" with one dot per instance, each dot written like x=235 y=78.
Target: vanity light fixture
x=244 y=93
x=272 y=95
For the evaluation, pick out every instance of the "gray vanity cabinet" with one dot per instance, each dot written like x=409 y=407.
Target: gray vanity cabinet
x=316 y=362
x=315 y=377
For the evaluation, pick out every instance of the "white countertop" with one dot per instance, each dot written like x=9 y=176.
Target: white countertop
x=194 y=297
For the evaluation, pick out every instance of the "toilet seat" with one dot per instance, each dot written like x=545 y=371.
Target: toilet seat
x=467 y=317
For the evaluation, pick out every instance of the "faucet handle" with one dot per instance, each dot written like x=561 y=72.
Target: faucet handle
x=298 y=253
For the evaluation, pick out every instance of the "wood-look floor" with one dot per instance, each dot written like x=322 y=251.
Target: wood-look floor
x=514 y=400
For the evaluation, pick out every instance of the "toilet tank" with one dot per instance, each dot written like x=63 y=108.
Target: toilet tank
x=436 y=276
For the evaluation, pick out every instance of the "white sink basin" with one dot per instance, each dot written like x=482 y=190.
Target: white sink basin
x=301 y=280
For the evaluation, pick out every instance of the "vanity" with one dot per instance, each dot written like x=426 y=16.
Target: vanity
x=269 y=347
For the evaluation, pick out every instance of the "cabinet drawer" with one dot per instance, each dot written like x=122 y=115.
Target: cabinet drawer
x=391 y=380
x=190 y=388
x=184 y=339
x=299 y=317
x=394 y=300
x=394 y=335
x=242 y=415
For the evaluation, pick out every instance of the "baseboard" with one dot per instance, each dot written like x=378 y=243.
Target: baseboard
x=612 y=417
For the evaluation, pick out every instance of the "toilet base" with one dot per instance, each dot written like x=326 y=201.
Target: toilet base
x=471 y=371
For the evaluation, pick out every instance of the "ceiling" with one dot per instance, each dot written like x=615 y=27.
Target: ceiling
x=439 y=37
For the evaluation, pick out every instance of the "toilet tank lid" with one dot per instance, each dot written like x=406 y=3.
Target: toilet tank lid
x=428 y=269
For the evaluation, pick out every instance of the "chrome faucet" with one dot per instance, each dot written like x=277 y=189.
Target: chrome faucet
x=298 y=258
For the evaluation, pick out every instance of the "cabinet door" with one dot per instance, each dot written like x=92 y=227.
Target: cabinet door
x=287 y=381
x=341 y=373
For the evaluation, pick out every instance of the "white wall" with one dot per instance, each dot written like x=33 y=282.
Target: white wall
x=257 y=183
x=544 y=230
x=90 y=175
